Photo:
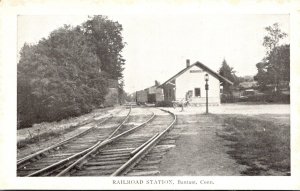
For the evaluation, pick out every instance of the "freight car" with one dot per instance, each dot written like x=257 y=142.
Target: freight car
x=141 y=97
x=150 y=95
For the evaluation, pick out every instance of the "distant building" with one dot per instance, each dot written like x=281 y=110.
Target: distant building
x=248 y=85
x=189 y=84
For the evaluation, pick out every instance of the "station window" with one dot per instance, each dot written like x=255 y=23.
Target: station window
x=197 y=92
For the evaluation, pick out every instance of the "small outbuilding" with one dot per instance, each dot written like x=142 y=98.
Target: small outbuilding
x=189 y=84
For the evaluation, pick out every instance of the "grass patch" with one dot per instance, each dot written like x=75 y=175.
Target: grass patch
x=263 y=145
x=43 y=137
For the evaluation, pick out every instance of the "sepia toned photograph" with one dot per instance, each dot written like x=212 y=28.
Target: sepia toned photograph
x=144 y=95
x=107 y=98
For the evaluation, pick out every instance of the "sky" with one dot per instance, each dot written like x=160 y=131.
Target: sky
x=157 y=45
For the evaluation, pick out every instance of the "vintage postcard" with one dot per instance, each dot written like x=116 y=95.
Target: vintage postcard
x=149 y=95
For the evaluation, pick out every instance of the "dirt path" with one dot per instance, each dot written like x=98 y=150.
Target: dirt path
x=199 y=151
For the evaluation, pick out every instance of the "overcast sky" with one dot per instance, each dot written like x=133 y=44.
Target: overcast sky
x=158 y=45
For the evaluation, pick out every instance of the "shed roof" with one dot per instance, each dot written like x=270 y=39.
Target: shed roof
x=202 y=66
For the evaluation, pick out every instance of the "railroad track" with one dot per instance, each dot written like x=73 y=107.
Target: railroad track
x=115 y=155
x=123 y=152
x=44 y=162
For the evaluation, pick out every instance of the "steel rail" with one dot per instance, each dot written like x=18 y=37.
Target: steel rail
x=126 y=167
x=132 y=153
x=25 y=159
x=118 y=128
x=68 y=159
x=101 y=145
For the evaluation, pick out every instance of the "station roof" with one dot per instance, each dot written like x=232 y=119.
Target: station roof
x=202 y=66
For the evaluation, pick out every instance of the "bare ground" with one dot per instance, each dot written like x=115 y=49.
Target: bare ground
x=255 y=143
x=198 y=151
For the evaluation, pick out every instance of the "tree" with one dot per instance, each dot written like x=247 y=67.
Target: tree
x=229 y=73
x=273 y=37
x=62 y=76
x=274 y=69
x=104 y=36
x=279 y=61
x=275 y=66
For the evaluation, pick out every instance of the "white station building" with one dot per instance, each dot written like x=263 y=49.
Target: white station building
x=190 y=82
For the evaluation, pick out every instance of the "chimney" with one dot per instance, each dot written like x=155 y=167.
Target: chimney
x=187 y=62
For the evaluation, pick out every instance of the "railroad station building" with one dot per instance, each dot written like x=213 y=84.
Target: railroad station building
x=189 y=83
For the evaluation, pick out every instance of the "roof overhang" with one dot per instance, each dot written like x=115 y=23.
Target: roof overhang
x=202 y=66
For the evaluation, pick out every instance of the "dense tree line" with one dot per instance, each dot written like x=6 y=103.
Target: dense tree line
x=66 y=73
x=273 y=71
x=229 y=73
